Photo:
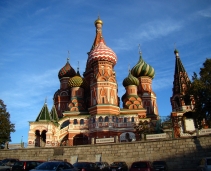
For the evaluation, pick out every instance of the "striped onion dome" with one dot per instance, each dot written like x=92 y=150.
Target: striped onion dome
x=130 y=80
x=66 y=71
x=77 y=81
x=102 y=53
x=142 y=69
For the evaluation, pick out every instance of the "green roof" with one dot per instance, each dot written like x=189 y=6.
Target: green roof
x=53 y=114
x=44 y=114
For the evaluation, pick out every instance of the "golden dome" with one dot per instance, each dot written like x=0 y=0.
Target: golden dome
x=98 y=21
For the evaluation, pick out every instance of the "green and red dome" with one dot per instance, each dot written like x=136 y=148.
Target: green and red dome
x=142 y=69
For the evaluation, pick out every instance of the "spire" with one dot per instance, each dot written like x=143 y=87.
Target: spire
x=78 y=73
x=44 y=114
x=181 y=80
x=99 y=37
x=139 y=49
x=54 y=114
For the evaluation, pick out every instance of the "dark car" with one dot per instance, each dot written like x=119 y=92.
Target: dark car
x=25 y=165
x=141 y=166
x=86 y=166
x=119 y=166
x=159 y=165
x=204 y=164
x=55 y=166
x=104 y=166
x=9 y=161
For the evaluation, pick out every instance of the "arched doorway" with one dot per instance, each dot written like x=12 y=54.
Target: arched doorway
x=37 y=138
x=43 y=138
x=80 y=139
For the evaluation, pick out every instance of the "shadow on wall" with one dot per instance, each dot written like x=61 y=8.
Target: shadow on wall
x=179 y=154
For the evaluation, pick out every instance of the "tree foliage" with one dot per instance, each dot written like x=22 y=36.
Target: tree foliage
x=6 y=127
x=201 y=91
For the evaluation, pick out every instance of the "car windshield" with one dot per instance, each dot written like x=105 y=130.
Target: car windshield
x=5 y=161
x=86 y=165
x=117 y=164
x=139 y=165
x=48 y=166
x=19 y=163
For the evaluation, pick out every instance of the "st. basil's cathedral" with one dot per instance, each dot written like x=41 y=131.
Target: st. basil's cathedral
x=87 y=109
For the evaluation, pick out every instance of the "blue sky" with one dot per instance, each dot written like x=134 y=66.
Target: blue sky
x=36 y=35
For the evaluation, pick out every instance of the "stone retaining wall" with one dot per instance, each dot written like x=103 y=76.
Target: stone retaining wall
x=179 y=154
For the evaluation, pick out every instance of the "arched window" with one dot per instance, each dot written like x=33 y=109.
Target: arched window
x=75 y=122
x=125 y=120
x=93 y=120
x=114 y=118
x=65 y=123
x=81 y=122
x=106 y=119
x=132 y=119
x=100 y=119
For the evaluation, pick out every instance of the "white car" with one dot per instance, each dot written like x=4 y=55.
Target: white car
x=205 y=164
x=4 y=167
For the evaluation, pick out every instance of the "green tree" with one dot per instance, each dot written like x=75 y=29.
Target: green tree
x=144 y=127
x=201 y=91
x=6 y=127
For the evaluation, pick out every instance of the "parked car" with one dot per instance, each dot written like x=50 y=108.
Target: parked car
x=25 y=165
x=4 y=167
x=204 y=164
x=119 y=166
x=9 y=161
x=86 y=166
x=104 y=166
x=55 y=166
x=160 y=166
x=141 y=166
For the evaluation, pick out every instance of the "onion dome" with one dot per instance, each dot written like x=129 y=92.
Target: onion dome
x=102 y=53
x=130 y=80
x=98 y=21
x=66 y=71
x=99 y=50
x=142 y=69
x=77 y=81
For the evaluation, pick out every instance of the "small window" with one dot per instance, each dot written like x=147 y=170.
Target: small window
x=125 y=120
x=113 y=118
x=106 y=119
x=100 y=119
x=81 y=122
x=75 y=122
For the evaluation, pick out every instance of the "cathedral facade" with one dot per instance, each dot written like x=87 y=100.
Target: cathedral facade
x=87 y=109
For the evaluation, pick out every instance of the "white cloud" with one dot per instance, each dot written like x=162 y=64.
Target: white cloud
x=205 y=13
x=147 y=32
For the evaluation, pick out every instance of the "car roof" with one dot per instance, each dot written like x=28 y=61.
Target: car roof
x=84 y=162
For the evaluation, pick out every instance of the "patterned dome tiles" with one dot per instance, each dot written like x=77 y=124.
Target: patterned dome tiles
x=77 y=81
x=66 y=71
x=130 y=80
x=143 y=69
x=102 y=52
